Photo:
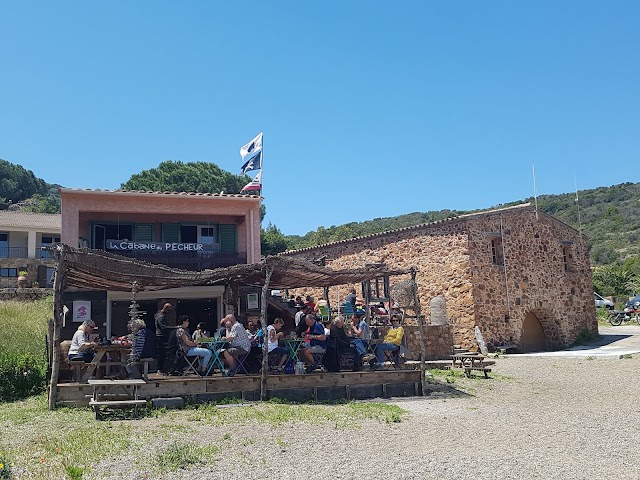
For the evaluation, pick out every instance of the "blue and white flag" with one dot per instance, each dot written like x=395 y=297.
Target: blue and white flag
x=253 y=146
x=254 y=163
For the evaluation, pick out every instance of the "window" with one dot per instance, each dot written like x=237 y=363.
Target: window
x=47 y=240
x=496 y=251
x=209 y=235
x=4 y=245
x=8 y=272
x=567 y=258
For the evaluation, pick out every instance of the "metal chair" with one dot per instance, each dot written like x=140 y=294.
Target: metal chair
x=193 y=362
x=325 y=313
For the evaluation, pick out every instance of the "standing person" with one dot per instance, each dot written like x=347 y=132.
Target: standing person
x=162 y=335
x=239 y=341
x=191 y=348
x=392 y=341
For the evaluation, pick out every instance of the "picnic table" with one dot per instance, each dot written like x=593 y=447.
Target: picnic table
x=117 y=356
x=469 y=361
x=115 y=393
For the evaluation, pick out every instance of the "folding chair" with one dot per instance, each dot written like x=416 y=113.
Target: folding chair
x=192 y=362
x=325 y=313
x=396 y=357
x=240 y=366
x=347 y=310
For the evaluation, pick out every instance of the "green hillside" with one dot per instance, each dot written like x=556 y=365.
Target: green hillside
x=609 y=217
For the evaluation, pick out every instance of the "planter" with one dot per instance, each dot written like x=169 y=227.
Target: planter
x=23 y=282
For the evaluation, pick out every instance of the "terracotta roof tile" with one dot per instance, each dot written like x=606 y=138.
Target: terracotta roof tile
x=48 y=221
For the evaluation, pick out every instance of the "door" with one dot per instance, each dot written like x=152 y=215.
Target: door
x=533 y=337
x=99 y=237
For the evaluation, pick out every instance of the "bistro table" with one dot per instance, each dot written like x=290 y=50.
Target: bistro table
x=294 y=345
x=215 y=345
x=117 y=356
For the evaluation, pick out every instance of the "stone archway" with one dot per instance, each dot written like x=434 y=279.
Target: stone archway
x=539 y=331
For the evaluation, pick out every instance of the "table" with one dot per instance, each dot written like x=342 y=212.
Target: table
x=294 y=345
x=471 y=361
x=102 y=391
x=99 y=359
x=216 y=347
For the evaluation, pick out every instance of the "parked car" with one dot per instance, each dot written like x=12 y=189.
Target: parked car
x=602 y=302
x=634 y=302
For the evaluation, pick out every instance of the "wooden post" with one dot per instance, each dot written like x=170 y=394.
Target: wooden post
x=58 y=290
x=265 y=339
x=326 y=297
x=416 y=308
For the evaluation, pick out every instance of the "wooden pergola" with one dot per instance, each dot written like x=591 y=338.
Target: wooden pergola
x=97 y=269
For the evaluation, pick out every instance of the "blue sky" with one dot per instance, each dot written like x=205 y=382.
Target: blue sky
x=369 y=109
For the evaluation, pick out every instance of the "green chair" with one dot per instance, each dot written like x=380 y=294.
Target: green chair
x=325 y=313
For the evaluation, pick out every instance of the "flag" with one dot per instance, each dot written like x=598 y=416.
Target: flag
x=255 y=184
x=253 y=146
x=254 y=163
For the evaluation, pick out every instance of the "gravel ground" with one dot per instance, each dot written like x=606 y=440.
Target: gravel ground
x=541 y=417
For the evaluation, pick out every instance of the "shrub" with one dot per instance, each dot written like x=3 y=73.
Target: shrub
x=5 y=466
x=23 y=363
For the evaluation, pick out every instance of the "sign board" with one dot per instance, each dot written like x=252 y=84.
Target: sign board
x=81 y=310
x=157 y=246
x=253 y=302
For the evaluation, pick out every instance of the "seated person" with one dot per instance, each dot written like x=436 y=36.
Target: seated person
x=201 y=332
x=222 y=330
x=239 y=343
x=392 y=341
x=81 y=348
x=343 y=341
x=273 y=334
x=315 y=342
x=351 y=297
x=191 y=348
x=360 y=327
x=141 y=347
x=310 y=303
x=301 y=325
x=327 y=327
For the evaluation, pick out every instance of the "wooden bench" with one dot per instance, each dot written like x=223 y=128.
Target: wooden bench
x=102 y=389
x=467 y=370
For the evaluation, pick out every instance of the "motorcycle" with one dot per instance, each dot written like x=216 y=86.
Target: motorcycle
x=632 y=312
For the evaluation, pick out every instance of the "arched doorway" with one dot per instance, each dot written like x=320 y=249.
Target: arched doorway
x=533 y=338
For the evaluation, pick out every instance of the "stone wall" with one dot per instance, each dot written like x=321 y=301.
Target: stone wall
x=454 y=259
x=438 y=341
x=535 y=279
x=24 y=294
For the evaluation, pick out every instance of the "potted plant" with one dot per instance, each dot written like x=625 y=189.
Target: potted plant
x=23 y=281
x=35 y=284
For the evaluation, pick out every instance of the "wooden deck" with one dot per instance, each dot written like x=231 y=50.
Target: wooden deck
x=312 y=386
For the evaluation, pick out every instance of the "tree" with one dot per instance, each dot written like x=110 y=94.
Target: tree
x=272 y=240
x=612 y=280
x=17 y=183
x=199 y=177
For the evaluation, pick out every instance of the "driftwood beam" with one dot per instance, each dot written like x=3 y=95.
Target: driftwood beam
x=265 y=339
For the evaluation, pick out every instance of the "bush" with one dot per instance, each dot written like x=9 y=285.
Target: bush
x=5 y=466
x=23 y=363
x=21 y=376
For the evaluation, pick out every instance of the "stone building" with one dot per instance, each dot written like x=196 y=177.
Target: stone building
x=523 y=277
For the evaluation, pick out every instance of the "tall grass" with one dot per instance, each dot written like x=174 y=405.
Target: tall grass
x=23 y=362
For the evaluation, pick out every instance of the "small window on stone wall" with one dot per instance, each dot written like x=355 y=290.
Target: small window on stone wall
x=567 y=258
x=496 y=251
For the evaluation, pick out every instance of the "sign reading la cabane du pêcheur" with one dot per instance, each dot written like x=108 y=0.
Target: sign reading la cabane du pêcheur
x=157 y=246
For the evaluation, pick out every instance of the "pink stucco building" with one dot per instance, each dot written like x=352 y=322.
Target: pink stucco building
x=191 y=231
